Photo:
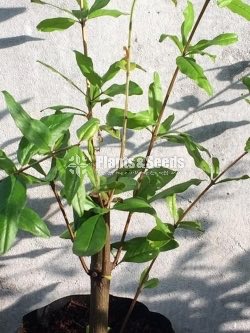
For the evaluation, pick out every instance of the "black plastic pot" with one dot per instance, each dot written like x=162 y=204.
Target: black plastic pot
x=70 y=315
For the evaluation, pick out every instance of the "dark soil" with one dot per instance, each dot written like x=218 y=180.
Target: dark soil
x=70 y=315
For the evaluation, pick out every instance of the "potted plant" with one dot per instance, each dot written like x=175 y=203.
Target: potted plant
x=134 y=186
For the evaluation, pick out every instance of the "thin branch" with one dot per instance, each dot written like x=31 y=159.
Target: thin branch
x=137 y=294
x=140 y=287
x=72 y=237
x=157 y=127
x=126 y=107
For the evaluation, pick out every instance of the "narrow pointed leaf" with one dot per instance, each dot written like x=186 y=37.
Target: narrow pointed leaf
x=180 y=188
x=245 y=177
x=56 y=24
x=155 y=96
x=85 y=64
x=174 y=39
x=247 y=147
x=106 y=12
x=88 y=130
x=117 y=89
x=12 y=201
x=191 y=69
x=32 y=129
x=191 y=225
x=6 y=164
x=188 y=22
x=134 y=205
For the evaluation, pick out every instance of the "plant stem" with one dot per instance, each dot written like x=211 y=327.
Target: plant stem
x=158 y=124
x=126 y=107
x=58 y=199
x=137 y=294
x=210 y=185
x=52 y=154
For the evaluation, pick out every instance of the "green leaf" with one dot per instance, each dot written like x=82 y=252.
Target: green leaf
x=58 y=124
x=154 y=180
x=247 y=147
x=191 y=225
x=85 y=64
x=246 y=82
x=90 y=236
x=188 y=22
x=172 y=206
x=12 y=201
x=98 y=4
x=31 y=222
x=174 y=39
x=75 y=168
x=137 y=121
x=62 y=107
x=216 y=167
x=26 y=151
x=112 y=131
x=223 y=3
x=80 y=14
x=138 y=250
x=166 y=125
x=88 y=130
x=111 y=72
x=55 y=24
x=240 y=8
x=6 y=164
x=106 y=12
x=180 y=188
x=79 y=201
x=155 y=97
x=62 y=75
x=170 y=245
x=233 y=179
x=66 y=234
x=193 y=149
x=221 y=40
x=191 y=69
x=152 y=283
x=117 y=89
x=133 y=205
x=32 y=129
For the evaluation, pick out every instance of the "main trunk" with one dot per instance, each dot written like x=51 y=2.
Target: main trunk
x=100 y=286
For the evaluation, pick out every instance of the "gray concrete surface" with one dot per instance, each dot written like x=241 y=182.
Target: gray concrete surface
x=204 y=283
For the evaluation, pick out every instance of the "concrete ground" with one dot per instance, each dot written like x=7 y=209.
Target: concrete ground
x=205 y=282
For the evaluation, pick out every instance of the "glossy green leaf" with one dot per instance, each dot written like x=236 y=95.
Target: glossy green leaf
x=58 y=124
x=106 y=12
x=223 y=3
x=90 y=236
x=137 y=121
x=120 y=89
x=12 y=201
x=179 y=188
x=26 y=151
x=86 y=66
x=247 y=147
x=245 y=177
x=88 y=130
x=166 y=125
x=240 y=7
x=32 y=129
x=112 y=131
x=191 y=225
x=61 y=108
x=56 y=24
x=113 y=70
x=75 y=169
x=174 y=39
x=155 y=97
x=62 y=75
x=151 y=284
x=193 y=150
x=6 y=164
x=191 y=69
x=31 y=222
x=98 y=4
x=221 y=40
x=216 y=167
x=188 y=22
x=154 y=180
x=79 y=201
x=80 y=14
x=172 y=244
x=138 y=250
x=172 y=206
x=134 y=205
